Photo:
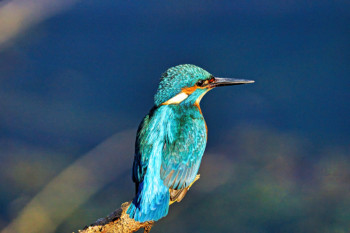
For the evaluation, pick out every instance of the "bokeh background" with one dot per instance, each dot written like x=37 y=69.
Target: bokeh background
x=77 y=77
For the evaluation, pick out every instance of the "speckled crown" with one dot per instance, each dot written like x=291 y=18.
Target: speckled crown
x=176 y=78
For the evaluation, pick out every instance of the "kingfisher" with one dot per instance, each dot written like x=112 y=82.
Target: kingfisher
x=171 y=140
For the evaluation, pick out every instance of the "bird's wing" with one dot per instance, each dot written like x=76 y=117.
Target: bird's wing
x=178 y=142
x=149 y=141
x=142 y=153
x=182 y=152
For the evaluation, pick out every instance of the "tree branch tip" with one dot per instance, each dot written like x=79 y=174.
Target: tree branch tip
x=120 y=222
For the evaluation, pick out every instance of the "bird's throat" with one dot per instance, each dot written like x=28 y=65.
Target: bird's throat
x=187 y=97
x=176 y=99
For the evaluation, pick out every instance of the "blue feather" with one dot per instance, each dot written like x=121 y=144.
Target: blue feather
x=166 y=156
x=169 y=147
x=171 y=140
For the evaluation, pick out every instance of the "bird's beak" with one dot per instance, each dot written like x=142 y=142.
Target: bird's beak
x=229 y=81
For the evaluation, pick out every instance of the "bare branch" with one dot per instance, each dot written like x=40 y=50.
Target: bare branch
x=117 y=222
x=120 y=222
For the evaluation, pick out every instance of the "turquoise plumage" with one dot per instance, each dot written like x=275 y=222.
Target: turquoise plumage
x=171 y=140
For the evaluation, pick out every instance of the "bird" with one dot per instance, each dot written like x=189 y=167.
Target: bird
x=171 y=140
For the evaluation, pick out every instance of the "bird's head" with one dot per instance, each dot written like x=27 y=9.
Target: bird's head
x=188 y=84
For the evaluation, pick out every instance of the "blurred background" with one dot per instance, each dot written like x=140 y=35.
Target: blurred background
x=77 y=77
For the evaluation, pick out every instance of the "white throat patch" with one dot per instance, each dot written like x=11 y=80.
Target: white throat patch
x=176 y=99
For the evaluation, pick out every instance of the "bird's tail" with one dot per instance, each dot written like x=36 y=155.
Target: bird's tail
x=148 y=206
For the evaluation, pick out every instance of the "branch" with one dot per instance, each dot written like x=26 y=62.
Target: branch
x=120 y=222
x=117 y=222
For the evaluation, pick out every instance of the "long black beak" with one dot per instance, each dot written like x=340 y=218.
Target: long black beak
x=229 y=81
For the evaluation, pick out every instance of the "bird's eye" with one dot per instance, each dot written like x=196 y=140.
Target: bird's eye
x=200 y=83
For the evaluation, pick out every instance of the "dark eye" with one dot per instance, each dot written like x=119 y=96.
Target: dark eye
x=200 y=83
